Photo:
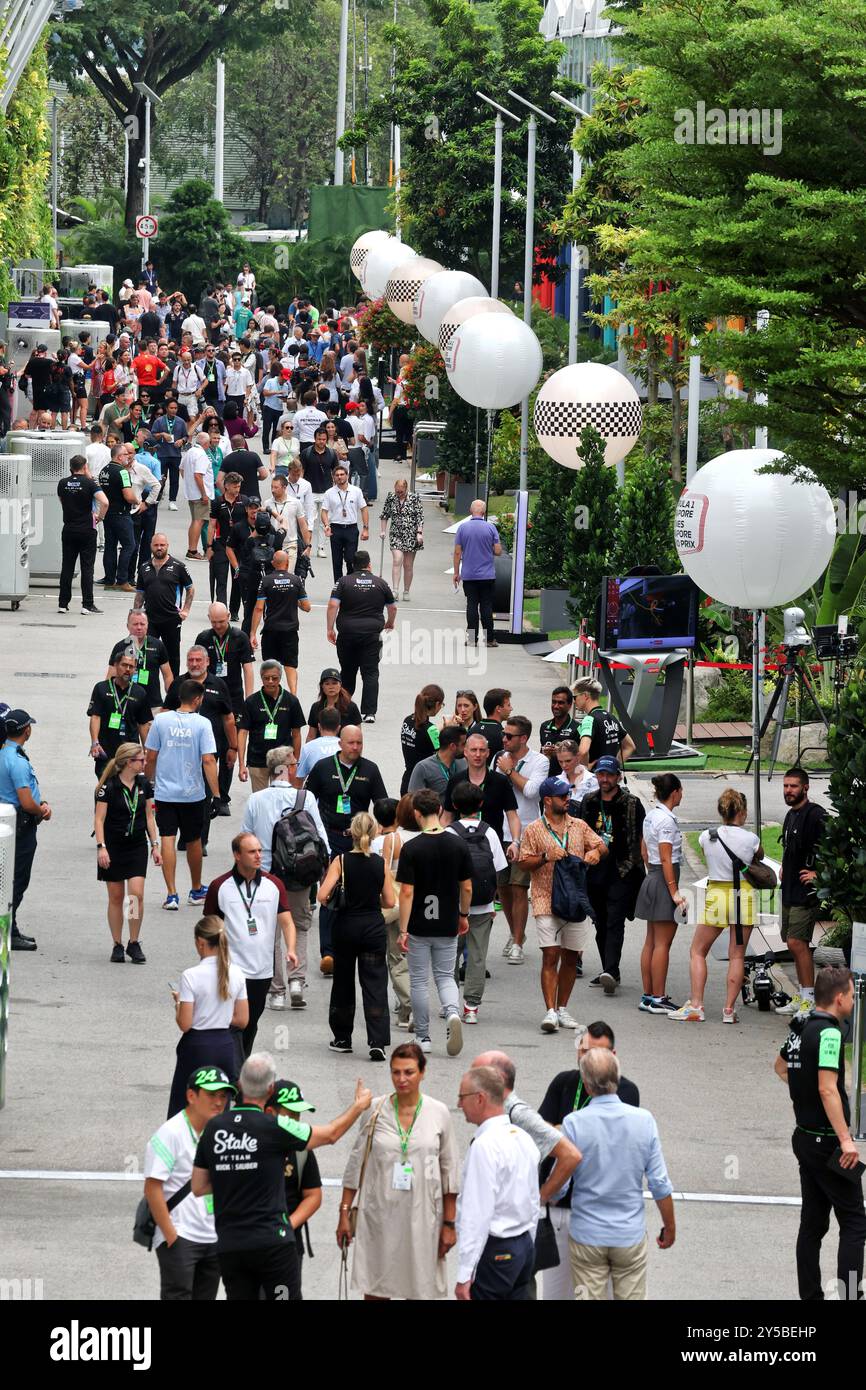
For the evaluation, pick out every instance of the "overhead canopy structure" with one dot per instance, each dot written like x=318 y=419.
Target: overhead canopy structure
x=21 y=24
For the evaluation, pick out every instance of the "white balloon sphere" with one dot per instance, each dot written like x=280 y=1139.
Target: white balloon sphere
x=440 y=293
x=586 y=393
x=361 y=249
x=494 y=361
x=461 y=311
x=404 y=283
x=382 y=258
x=750 y=539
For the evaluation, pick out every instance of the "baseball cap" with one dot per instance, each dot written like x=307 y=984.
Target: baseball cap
x=128 y=284
x=331 y=674
x=41 y=347
x=554 y=786
x=17 y=721
x=209 y=1079
x=288 y=1095
x=607 y=764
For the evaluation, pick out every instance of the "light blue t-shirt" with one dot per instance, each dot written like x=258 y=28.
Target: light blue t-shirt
x=16 y=771
x=181 y=740
x=314 y=751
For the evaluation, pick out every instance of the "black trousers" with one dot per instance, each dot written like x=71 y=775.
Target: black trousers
x=270 y=431
x=361 y=942
x=170 y=634
x=340 y=844
x=479 y=597
x=824 y=1191
x=249 y=582
x=613 y=899
x=172 y=467
x=344 y=545
x=25 y=852
x=76 y=548
x=257 y=993
x=119 y=538
x=220 y=569
x=144 y=527
x=5 y=413
x=271 y=1268
x=403 y=428
x=188 y=1271
x=504 y=1271
x=361 y=652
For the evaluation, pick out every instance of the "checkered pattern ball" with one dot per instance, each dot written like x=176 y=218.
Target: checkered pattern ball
x=438 y=294
x=361 y=249
x=404 y=283
x=461 y=311
x=382 y=259
x=587 y=393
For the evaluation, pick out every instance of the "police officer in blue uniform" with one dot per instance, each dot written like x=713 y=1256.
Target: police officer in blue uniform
x=20 y=788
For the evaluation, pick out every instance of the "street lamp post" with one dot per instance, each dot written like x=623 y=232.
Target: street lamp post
x=150 y=96
x=219 y=131
x=574 y=278
x=497 y=188
x=341 y=93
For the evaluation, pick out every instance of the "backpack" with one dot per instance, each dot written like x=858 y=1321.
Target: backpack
x=298 y=855
x=483 y=872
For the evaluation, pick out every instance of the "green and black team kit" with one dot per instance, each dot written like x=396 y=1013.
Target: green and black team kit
x=149 y=659
x=812 y=1046
x=245 y=1152
x=605 y=732
x=121 y=710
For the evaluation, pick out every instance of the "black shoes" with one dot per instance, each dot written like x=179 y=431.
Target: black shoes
x=135 y=953
x=220 y=808
x=20 y=942
x=377 y=1054
x=117 y=956
x=340 y=1045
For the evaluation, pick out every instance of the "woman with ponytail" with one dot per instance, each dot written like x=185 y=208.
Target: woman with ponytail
x=211 y=1011
x=359 y=935
x=123 y=824
x=419 y=732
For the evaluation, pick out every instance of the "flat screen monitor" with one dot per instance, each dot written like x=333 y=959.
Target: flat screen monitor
x=648 y=612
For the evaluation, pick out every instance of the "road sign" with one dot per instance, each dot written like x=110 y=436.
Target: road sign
x=146 y=226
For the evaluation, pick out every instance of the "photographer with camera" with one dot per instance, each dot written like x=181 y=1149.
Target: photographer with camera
x=251 y=548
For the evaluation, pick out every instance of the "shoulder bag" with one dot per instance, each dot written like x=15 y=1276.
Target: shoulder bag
x=757 y=874
x=144 y=1226
x=546 y=1249
x=353 y=1213
x=337 y=897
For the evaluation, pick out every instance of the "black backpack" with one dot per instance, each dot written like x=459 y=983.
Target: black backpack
x=298 y=856
x=483 y=872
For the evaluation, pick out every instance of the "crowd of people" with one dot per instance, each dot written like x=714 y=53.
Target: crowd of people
x=496 y=810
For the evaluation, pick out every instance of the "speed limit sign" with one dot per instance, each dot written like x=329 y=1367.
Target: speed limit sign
x=146 y=226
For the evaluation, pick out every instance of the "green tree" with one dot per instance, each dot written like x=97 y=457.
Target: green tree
x=196 y=240
x=91 y=144
x=645 y=532
x=25 y=217
x=841 y=853
x=591 y=524
x=551 y=532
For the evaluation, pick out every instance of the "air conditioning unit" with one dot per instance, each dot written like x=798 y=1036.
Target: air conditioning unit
x=50 y=453
x=23 y=341
x=16 y=522
x=73 y=328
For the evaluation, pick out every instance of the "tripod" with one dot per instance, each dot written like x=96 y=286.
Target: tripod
x=792 y=671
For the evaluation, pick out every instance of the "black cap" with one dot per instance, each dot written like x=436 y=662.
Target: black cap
x=209 y=1079
x=17 y=721
x=331 y=674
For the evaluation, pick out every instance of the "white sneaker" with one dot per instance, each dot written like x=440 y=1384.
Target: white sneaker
x=550 y=1022
x=424 y=1044
x=566 y=1020
x=172 y=506
x=296 y=994
x=516 y=956
x=796 y=1006
x=508 y=947
x=321 y=553
x=470 y=1013
x=453 y=1035
x=276 y=1001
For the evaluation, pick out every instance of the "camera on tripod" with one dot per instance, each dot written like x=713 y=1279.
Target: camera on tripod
x=796 y=635
x=834 y=644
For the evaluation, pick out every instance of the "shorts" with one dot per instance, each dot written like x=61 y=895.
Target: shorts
x=200 y=510
x=798 y=923
x=518 y=877
x=721 y=907
x=184 y=817
x=571 y=936
x=281 y=646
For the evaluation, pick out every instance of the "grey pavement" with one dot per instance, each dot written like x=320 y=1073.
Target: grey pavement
x=91 y=1046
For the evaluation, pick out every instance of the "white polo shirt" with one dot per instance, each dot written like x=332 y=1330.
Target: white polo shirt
x=305 y=422
x=238 y=381
x=169 y=1158
x=343 y=505
x=250 y=912
x=284 y=516
x=195 y=462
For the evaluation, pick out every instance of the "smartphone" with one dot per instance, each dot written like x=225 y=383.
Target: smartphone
x=852 y=1174
x=172 y=984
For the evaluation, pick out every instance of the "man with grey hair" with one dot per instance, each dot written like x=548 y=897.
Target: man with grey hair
x=498 y=1208
x=271 y=718
x=240 y=1160
x=282 y=802
x=619 y=1147
x=198 y=486
x=548 y=1140
x=476 y=546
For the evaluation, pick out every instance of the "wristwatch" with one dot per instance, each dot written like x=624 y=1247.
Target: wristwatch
x=452 y=1224
x=101 y=846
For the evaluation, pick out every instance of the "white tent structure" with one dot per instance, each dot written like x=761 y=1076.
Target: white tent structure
x=21 y=24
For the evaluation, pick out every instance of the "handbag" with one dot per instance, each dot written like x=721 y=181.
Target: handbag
x=353 y=1211
x=336 y=901
x=756 y=874
x=546 y=1248
x=144 y=1226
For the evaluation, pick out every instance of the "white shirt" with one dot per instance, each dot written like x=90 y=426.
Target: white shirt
x=264 y=809
x=740 y=841
x=365 y=429
x=199 y=986
x=535 y=767
x=284 y=450
x=499 y=860
x=169 y=1158
x=662 y=827
x=195 y=463
x=304 y=493
x=238 y=381
x=196 y=326
x=498 y=1193
x=306 y=420
x=284 y=517
x=252 y=951
x=97 y=455
x=187 y=380
x=343 y=506
x=143 y=479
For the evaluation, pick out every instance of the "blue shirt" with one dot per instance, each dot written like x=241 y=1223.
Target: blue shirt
x=181 y=740
x=620 y=1145
x=16 y=771
x=476 y=538
x=314 y=751
x=150 y=461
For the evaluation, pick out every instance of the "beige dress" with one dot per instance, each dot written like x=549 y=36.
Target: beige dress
x=396 y=1245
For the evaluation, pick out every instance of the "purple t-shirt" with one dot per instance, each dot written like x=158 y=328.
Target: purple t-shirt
x=476 y=537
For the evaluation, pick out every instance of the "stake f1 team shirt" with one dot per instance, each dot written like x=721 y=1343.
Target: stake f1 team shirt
x=245 y=1153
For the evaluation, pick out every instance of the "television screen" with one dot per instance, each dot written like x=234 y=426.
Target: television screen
x=648 y=612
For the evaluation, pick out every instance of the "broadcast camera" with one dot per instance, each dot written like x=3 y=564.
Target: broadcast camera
x=834 y=644
x=796 y=635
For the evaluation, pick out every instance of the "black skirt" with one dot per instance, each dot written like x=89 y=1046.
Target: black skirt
x=204 y=1047
x=128 y=860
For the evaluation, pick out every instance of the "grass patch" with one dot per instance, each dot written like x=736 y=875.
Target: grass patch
x=771 y=839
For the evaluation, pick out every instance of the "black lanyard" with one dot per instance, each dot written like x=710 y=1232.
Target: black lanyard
x=246 y=897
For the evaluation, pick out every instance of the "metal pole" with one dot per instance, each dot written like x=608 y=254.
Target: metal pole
x=574 y=281
x=55 y=179
x=498 y=127
x=763 y=318
x=693 y=417
x=219 y=131
x=757 y=665
x=397 y=178
x=146 y=173
x=528 y=262
x=857 y=1055
x=341 y=94
x=367 y=178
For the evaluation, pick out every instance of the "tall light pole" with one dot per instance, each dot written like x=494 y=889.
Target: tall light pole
x=341 y=93
x=574 y=277
x=497 y=187
x=150 y=96
x=55 y=180
x=219 y=131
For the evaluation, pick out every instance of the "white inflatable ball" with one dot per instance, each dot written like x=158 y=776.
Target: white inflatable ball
x=587 y=393
x=404 y=282
x=438 y=294
x=361 y=248
x=494 y=360
x=382 y=258
x=461 y=311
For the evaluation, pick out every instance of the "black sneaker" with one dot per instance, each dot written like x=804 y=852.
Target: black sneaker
x=377 y=1054
x=340 y=1045
x=20 y=942
x=220 y=808
x=92 y=608
x=595 y=983
x=63 y=610
x=135 y=953
x=117 y=955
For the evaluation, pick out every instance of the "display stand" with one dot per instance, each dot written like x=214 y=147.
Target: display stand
x=651 y=740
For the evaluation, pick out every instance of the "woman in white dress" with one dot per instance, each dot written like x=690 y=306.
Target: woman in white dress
x=403 y=1176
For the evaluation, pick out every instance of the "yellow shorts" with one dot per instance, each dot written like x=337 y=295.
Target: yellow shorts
x=721 y=908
